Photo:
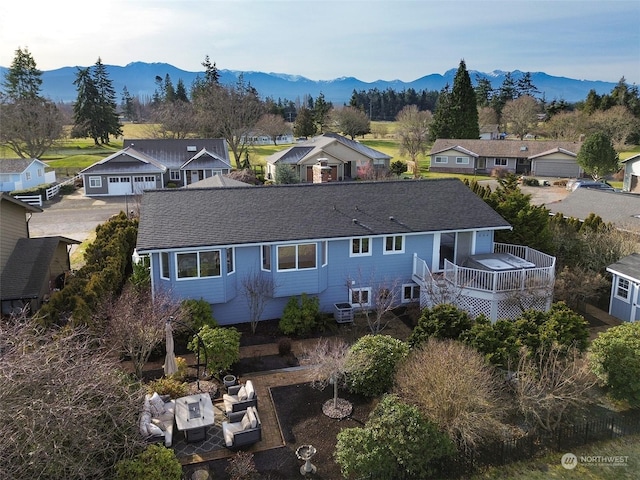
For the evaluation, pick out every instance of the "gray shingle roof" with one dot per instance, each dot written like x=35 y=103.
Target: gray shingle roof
x=621 y=209
x=232 y=216
x=503 y=148
x=15 y=165
x=128 y=160
x=628 y=266
x=27 y=268
x=368 y=151
x=173 y=153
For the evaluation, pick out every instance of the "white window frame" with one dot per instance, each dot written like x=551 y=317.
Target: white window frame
x=231 y=260
x=174 y=175
x=623 y=289
x=27 y=175
x=297 y=257
x=164 y=257
x=198 y=275
x=441 y=159
x=415 y=292
x=265 y=258
x=500 y=162
x=462 y=160
x=393 y=250
x=39 y=172
x=324 y=253
x=95 y=182
x=358 y=292
x=356 y=243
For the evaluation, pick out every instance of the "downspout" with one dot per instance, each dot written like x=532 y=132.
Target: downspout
x=29 y=215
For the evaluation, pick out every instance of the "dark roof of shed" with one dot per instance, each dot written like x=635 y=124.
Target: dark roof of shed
x=628 y=266
x=27 y=267
x=232 y=216
x=15 y=165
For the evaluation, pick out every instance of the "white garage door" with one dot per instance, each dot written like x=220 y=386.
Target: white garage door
x=556 y=168
x=120 y=186
x=140 y=184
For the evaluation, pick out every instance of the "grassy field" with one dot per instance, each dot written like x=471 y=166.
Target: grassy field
x=69 y=156
x=549 y=466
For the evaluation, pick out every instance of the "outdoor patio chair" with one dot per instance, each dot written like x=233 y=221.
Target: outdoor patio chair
x=243 y=428
x=239 y=398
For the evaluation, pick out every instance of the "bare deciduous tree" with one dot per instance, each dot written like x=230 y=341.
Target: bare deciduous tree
x=273 y=126
x=326 y=361
x=520 y=115
x=175 y=120
x=135 y=322
x=376 y=301
x=455 y=388
x=551 y=383
x=576 y=285
x=413 y=132
x=67 y=411
x=258 y=289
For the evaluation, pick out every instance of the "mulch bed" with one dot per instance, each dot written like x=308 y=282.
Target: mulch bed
x=299 y=410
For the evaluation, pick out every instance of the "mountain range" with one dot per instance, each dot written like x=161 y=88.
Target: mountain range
x=140 y=80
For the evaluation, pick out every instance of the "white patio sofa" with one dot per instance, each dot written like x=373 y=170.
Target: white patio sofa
x=157 y=418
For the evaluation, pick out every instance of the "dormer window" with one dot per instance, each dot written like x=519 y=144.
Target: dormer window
x=192 y=148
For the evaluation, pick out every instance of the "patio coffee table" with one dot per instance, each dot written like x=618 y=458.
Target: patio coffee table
x=194 y=414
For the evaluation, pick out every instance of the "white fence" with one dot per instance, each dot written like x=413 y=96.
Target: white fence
x=49 y=192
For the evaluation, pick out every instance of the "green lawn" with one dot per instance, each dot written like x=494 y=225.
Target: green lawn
x=549 y=466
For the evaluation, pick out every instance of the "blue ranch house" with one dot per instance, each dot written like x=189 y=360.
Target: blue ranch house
x=430 y=241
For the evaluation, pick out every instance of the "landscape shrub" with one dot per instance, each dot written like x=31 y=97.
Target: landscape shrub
x=168 y=386
x=67 y=189
x=371 y=364
x=181 y=373
x=300 y=315
x=452 y=386
x=396 y=442
x=242 y=467
x=614 y=357
x=531 y=182
x=155 y=462
x=199 y=312
x=442 y=321
x=222 y=347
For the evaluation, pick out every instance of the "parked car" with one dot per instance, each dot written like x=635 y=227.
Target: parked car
x=592 y=184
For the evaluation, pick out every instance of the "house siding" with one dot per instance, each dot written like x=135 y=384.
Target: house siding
x=329 y=283
x=622 y=309
x=14 y=227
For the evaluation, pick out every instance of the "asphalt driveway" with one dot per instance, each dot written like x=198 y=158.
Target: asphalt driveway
x=76 y=216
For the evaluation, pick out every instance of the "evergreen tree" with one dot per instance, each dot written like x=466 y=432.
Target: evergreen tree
x=484 y=91
x=95 y=111
x=128 y=106
x=463 y=104
x=597 y=156
x=441 y=125
x=23 y=79
x=181 y=91
x=525 y=86
x=304 y=125
x=321 y=110
x=169 y=91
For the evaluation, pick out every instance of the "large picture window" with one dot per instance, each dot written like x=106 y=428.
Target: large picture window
x=360 y=246
x=95 y=182
x=198 y=264
x=394 y=244
x=297 y=257
x=462 y=160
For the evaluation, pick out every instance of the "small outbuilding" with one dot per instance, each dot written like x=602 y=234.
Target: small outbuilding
x=623 y=303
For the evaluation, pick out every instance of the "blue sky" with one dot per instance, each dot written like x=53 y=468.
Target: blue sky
x=323 y=40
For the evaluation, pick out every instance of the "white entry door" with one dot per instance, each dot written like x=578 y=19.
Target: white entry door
x=195 y=176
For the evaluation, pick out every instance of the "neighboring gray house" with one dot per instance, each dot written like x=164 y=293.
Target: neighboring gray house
x=631 y=181
x=625 y=288
x=150 y=164
x=24 y=173
x=620 y=209
x=338 y=157
x=526 y=157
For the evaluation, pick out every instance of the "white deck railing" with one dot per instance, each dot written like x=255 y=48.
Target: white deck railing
x=541 y=276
